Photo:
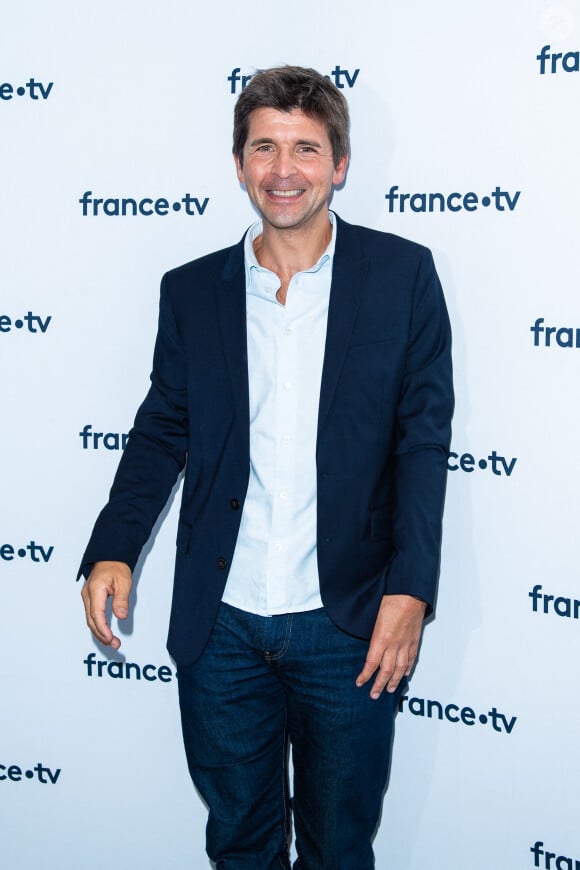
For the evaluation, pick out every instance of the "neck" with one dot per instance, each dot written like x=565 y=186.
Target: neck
x=287 y=252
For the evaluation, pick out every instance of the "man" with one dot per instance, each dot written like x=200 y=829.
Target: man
x=305 y=376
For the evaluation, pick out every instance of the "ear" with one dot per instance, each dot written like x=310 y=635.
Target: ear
x=239 y=170
x=340 y=170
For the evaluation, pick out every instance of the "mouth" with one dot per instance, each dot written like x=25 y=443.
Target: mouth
x=286 y=194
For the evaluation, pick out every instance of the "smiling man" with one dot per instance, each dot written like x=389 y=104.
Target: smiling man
x=305 y=376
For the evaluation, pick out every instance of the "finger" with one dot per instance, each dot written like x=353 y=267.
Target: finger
x=108 y=639
x=383 y=675
x=390 y=674
x=95 y=603
x=121 y=602
x=396 y=678
x=87 y=605
x=373 y=660
x=98 y=606
x=412 y=659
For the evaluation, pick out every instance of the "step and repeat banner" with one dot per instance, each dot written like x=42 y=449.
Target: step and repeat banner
x=115 y=157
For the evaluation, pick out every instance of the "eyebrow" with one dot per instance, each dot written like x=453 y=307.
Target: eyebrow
x=265 y=140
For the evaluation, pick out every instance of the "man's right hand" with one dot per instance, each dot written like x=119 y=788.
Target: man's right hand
x=107 y=578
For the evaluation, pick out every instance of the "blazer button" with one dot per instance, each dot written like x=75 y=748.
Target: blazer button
x=235 y=504
x=221 y=562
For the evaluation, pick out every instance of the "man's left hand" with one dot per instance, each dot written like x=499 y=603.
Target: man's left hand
x=394 y=643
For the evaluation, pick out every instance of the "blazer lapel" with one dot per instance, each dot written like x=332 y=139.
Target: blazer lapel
x=348 y=276
x=231 y=308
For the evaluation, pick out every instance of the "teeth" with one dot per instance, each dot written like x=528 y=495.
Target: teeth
x=285 y=193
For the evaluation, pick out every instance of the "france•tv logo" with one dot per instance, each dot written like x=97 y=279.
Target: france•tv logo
x=121 y=670
x=543 y=858
x=32 y=89
x=562 y=605
x=33 y=551
x=109 y=440
x=498 y=199
x=29 y=322
x=341 y=77
x=431 y=709
x=40 y=773
x=495 y=462
x=564 y=336
x=553 y=62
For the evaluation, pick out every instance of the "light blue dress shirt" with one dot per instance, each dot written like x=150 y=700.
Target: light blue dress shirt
x=274 y=569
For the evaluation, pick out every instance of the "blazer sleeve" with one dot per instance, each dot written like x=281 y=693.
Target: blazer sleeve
x=422 y=439
x=153 y=458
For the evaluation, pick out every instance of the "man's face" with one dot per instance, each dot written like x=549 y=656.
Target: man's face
x=288 y=167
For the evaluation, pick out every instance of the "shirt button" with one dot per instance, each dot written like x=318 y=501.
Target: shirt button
x=288 y=331
x=287 y=385
x=221 y=562
x=278 y=548
x=284 y=494
x=286 y=438
x=235 y=504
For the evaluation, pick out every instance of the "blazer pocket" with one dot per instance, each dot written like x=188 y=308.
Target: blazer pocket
x=377 y=334
x=381 y=524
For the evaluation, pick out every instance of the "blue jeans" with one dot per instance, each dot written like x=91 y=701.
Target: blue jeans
x=260 y=684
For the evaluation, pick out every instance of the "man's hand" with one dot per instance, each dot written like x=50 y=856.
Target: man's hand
x=106 y=578
x=394 y=643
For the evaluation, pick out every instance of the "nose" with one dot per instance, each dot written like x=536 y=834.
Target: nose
x=283 y=163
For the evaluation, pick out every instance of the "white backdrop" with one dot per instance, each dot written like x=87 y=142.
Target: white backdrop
x=134 y=100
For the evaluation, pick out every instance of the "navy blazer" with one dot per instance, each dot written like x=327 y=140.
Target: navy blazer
x=386 y=402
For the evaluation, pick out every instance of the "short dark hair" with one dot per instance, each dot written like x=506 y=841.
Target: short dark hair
x=294 y=87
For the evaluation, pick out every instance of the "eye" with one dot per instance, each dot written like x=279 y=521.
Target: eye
x=266 y=147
